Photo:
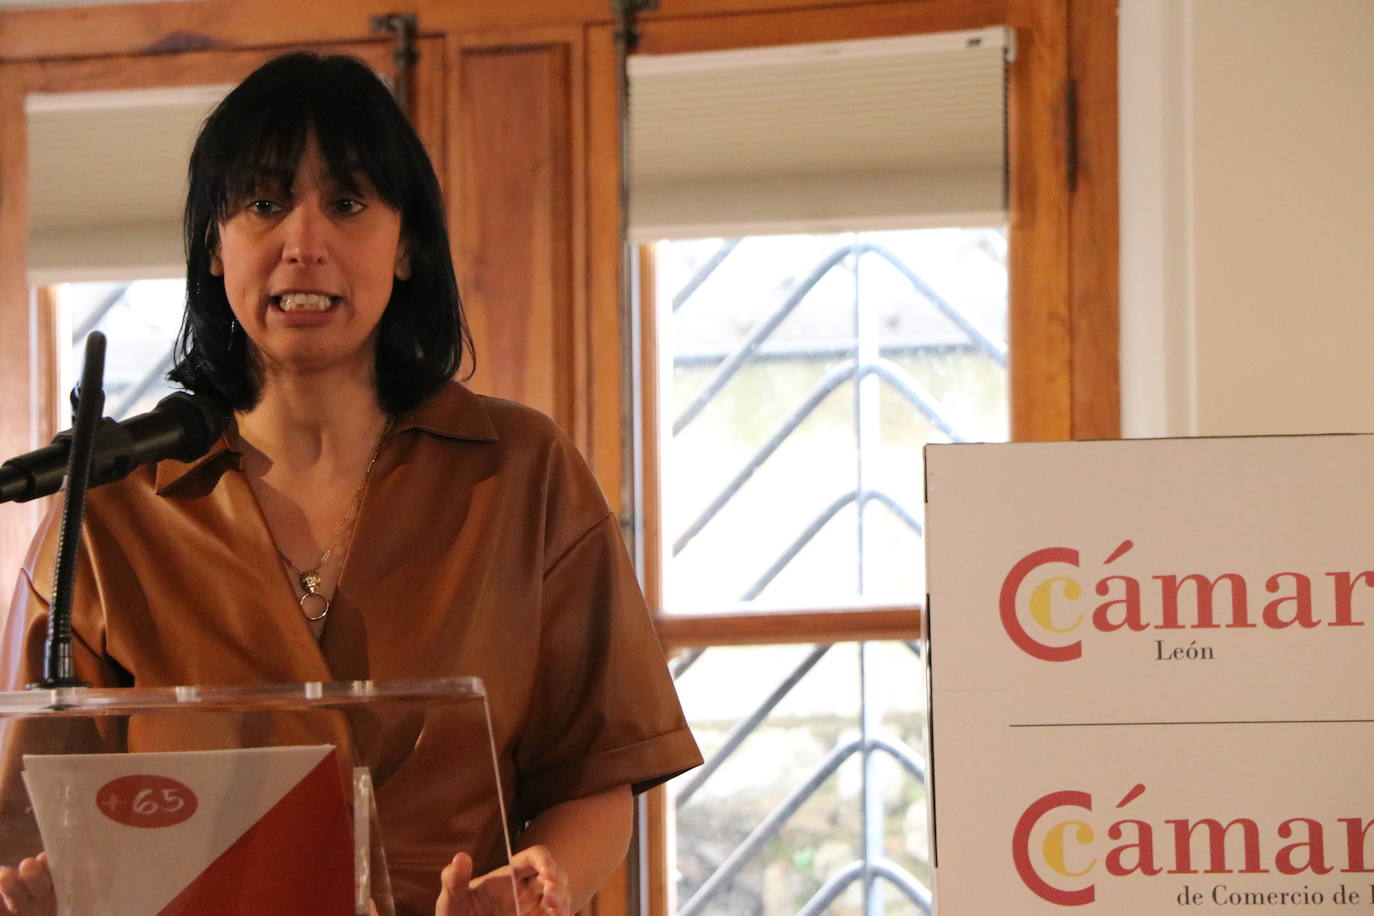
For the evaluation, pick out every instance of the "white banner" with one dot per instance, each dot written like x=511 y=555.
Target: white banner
x=1149 y=676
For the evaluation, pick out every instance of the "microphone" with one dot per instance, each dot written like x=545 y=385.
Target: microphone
x=182 y=426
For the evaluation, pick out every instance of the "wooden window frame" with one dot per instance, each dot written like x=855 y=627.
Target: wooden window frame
x=1062 y=243
x=1062 y=273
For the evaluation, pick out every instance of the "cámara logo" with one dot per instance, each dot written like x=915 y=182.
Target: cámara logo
x=1045 y=611
x=1061 y=852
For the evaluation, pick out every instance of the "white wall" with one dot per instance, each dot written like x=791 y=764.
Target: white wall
x=1247 y=171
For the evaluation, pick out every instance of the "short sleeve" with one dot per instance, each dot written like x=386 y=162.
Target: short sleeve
x=604 y=712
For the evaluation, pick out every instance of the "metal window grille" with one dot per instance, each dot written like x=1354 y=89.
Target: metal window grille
x=874 y=355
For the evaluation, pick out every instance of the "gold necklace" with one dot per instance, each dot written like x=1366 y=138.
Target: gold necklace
x=311 y=579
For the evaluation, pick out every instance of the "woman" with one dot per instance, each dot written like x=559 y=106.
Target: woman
x=366 y=516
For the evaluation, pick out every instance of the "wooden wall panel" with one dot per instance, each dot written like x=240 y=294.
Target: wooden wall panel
x=47 y=371
x=181 y=25
x=429 y=102
x=188 y=25
x=1095 y=223
x=192 y=68
x=1038 y=220
x=17 y=331
x=607 y=320
x=750 y=25
x=511 y=217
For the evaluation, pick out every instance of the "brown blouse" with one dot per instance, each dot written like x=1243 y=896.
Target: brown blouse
x=482 y=547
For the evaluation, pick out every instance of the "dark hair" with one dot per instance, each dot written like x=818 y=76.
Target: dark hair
x=254 y=138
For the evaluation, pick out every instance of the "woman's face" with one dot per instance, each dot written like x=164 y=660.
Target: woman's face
x=308 y=270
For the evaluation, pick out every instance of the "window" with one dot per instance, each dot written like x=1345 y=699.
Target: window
x=816 y=772
x=801 y=376
x=827 y=261
x=140 y=321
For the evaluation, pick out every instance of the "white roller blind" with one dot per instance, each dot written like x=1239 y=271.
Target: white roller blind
x=107 y=181
x=892 y=131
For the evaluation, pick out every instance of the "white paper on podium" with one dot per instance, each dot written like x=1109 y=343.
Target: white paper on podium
x=135 y=831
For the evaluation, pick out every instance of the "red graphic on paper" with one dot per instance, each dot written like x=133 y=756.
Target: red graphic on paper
x=298 y=858
x=146 y=800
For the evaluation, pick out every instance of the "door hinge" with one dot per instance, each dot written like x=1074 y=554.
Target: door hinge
x=626 y=35
x=404 y=53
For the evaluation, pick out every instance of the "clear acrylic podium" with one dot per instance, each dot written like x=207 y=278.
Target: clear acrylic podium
x=224 y=800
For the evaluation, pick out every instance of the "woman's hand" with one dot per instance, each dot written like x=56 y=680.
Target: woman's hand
x=541 y=887
x=27 y=890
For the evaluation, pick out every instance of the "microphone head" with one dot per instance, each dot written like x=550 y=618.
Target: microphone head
x=201 y=418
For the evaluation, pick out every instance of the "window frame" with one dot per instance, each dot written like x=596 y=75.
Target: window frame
x=1062 y=239
x=1062 y=288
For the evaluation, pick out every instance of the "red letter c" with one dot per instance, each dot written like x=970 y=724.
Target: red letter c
x=1007 y=605
x=1020 y=848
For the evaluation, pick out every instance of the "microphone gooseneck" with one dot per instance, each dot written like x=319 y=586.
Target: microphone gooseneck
x=59 y=669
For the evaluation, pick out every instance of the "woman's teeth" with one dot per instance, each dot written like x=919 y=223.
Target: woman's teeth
x=304 y=302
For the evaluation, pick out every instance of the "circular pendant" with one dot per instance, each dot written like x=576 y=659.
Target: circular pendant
x=321 y=605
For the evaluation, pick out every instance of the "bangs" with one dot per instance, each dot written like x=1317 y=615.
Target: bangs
x=261 y=159
x=260 y=146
